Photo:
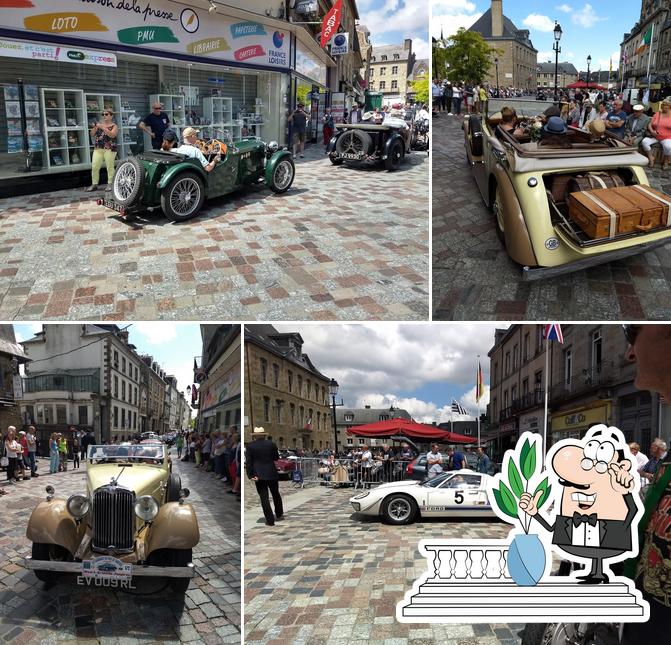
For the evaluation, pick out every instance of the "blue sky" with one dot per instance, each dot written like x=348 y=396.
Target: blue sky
x=419 y=367
x=392 y=21
x=595 y=29
x=173 y=345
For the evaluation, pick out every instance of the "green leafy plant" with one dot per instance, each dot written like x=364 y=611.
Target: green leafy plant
x=509 y=492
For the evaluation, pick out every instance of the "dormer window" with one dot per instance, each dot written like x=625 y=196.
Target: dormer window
x=383 y=58
x=349 y=417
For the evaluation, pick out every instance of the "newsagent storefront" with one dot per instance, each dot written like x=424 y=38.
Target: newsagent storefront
x=224 y=75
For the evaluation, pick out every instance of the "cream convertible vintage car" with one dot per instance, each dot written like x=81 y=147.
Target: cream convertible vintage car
x=524 y=184
x=130 y=521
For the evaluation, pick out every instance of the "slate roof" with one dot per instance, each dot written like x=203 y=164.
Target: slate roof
x=562 y=68
x=483 y=25
x=367 y=415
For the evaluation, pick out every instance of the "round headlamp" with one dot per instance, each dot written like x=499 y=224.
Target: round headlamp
x=78 y=505
x=146 y=508
x=272 y=146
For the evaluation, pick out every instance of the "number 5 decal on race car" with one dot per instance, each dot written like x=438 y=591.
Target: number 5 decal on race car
x=458 y=497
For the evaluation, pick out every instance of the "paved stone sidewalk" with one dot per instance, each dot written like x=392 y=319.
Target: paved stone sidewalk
x=208 y=613
x=325 y=577
x=344 y=243
x=474 y=279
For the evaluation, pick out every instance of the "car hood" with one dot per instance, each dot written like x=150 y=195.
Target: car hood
x=406 y=483
x=141 y=479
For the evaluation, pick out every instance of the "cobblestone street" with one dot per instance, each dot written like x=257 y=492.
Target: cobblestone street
x=344 y=243
x=474 y=279
x=323 y=576
x=210 y=611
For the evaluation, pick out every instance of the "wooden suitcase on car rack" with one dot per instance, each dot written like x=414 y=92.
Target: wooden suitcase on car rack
x=609 y=212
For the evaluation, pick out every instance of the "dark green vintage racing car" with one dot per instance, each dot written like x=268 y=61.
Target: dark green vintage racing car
x=179 y=185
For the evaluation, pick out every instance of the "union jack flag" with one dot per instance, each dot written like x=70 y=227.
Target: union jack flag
x=553 y=332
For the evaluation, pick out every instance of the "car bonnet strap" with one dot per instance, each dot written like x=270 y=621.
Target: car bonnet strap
x=612 y=214
x=659 y=199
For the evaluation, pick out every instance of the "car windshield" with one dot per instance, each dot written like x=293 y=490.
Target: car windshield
x=522 y=107
x=435 y=482
x=127 y=452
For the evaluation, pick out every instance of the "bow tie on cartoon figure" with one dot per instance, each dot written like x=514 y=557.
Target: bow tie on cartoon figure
x=597 y=505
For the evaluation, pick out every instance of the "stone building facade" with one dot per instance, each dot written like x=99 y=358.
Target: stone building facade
x=566 y=74
x=284 y=392
x=11 y=356
x=390 y=68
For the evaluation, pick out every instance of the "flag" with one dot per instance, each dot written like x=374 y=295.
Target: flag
x=479 y=384
x=308 y=424
x=457 y=408
x=610 y=66
x=331 y=23
x=645 y=41
x=553 y=332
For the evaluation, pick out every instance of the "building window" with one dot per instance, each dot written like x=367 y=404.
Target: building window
x=396 y=57
x=383 y=71
x=116 y=416
x=394 y=69
x=301 y=415
x=308 y=388
x=83 y=415
x=292 y=413
x=596 y=351
x=382 y=85
x=135 y=396
x=278 y=410
x=123 y=418
x=383 y=57
x=539 y=339
x=308 y=422
x=299 y=383
x=394 y=85
x=525 y=387
x=505 y=400
x=276 y=375
x=495 y=373
x=116 y=386
x=526 y=347
x=290 y=379
x=324 y=399
x=61 y=414
x=507 y=364
x=494 y=409
x=538 y=383
x=568 y=368
x=317 y=392
x=264 y=370
x=319 y=420
x=513 y=394
x=383 y=417
x=515 y=357
x=349 y=417
x=116 y=358
x=266 y=408
x=123 y=365
x=134 y=420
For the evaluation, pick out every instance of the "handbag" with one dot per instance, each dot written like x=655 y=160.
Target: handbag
x=4 y=461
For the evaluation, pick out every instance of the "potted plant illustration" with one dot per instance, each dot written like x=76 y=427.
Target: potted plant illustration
x=522 y=467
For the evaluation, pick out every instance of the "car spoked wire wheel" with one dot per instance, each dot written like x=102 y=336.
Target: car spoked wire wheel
x=399 y=509
x=354 y=142
x=183 y=197
x=283 y=175
x=497 y=208
x=128 y=181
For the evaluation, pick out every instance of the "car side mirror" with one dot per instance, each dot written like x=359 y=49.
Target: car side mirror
x=183 y=494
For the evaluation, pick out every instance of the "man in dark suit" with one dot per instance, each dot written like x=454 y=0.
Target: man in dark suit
x=597 y=506
x=261 y=456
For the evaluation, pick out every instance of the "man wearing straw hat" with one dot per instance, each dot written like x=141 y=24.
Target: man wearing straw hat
x=261 y=456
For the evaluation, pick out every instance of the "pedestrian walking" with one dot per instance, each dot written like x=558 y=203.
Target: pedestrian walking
x=12 y=450
x=87 y=440
x=234 y=469
x=62 y=453
x=299 y=120
x=32 y=450
x=484 y=462
x=74 y=441
x=261 y=456
x=53 y=453
x=205 y=452
x=327 y=120
x=179 y=444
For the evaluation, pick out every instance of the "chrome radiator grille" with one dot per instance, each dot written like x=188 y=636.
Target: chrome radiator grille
x=113 y=519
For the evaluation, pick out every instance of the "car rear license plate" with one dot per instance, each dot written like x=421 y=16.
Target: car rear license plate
x=351 y=155
x=113 y=205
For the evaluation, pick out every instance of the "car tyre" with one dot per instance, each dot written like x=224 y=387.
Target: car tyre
x=474 y=128
x=497 y=209
x=399 y=509
x=336 y=161
x=174 y=487
x=283 y=175
x=183 y=197
x=128 y=182
x=180 y=558
x=395 y=156
x=354 y=141
x=50 y=553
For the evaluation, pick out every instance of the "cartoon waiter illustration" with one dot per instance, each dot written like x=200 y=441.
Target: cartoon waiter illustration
x=598 y=505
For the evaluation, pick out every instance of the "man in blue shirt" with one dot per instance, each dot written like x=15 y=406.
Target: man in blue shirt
x=155 y=124
x=616 y=119
x=458 y=459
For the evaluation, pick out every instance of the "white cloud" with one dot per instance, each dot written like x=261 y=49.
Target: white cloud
x=545 y=57
x=453 y=6
x=421 y=48
x=33 y=329
x=395 y=16
x=603 y=63
x=585 y=17
x=155 y=333
x=539 y=22
x=569 y=55
x=450 y=23
x=565 y=8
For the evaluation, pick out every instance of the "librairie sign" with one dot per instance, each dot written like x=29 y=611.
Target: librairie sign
x=152 y=24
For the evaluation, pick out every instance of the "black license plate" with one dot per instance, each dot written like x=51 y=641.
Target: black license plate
x=113 y=205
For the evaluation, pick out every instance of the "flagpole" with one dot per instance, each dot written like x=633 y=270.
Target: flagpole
x=478 y=392
x=652 y=38
x=547 y=380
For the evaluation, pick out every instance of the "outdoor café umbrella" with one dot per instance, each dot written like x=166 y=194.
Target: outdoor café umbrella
x=582 y=85
x=408 y=428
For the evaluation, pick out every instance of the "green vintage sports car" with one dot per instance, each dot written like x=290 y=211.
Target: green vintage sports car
x=179 y=185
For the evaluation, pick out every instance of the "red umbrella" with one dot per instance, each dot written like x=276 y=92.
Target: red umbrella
x=582 y=85
x=410 y=429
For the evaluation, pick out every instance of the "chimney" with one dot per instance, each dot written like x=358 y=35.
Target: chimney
x=407 y=44
x=497 y=18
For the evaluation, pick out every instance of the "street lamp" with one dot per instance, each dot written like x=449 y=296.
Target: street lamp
x=589 y=62
x=496 y=62
x=557 y=49
x=333 y=391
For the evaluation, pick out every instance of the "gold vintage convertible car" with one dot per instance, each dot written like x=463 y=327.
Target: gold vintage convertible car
x=130 y=521
x=526 y=184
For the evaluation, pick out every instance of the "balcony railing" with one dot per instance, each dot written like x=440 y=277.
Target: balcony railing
x=61 y=382
x=526 y=401
x=586 y=380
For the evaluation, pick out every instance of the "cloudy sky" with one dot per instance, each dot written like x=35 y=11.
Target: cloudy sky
x=173 y=345
x=392 y=21
x=419 y=367
x=593 y=29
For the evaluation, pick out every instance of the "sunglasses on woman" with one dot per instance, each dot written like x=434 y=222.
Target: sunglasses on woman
x=107 y=114
x=631 y=332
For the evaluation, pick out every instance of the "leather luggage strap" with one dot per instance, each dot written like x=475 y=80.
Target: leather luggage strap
x=659 y=199
x=597 y=179
x=612 y=214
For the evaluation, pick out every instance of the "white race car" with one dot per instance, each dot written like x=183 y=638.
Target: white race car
x=461 y=493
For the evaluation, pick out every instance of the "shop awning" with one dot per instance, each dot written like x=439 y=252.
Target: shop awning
x=409 y=428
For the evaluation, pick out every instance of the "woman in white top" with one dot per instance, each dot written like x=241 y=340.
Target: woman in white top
x=587 y=114
x=13 y=450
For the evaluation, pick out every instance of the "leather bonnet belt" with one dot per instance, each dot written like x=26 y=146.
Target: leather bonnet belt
x=659 y=199
x=613 y=215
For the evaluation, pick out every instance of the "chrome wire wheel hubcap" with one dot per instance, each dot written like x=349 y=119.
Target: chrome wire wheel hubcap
x=399 y=509
x=185 y=196
x=124 y=181
x=283 y=174
x=498 y=210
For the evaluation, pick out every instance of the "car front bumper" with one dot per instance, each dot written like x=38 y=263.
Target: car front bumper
x=188 y=571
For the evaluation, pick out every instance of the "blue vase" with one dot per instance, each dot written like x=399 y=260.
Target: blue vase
x=526 y=559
